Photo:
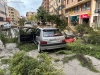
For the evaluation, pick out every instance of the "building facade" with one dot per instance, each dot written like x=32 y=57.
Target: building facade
x=3 y=11
x=29 y=14
x=56 y=6
x=81 y=11
x=77 y=11
x=96 y=14
x=45 y=4
x=14 y=15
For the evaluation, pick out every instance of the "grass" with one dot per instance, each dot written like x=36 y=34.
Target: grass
x=11 y=40
x=26 y=46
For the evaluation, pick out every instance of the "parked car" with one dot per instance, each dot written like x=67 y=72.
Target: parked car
x=28 y=24
x=49 y=38
x=6 y=26
x=70 y=40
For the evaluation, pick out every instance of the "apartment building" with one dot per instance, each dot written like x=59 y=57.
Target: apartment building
x=56 y=6
x=3 y=11
x=81 y=11
x=96 y=14
x=14 y=15
x=29 y=14
x=45 y=4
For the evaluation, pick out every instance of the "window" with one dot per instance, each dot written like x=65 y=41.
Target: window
x=73 y=0
x=77 y=9
x=59 y=1
x=66 y=11
x=51 y=33
x=83 y=7
x=38 y=32
x=86 y=6
x=68 y=1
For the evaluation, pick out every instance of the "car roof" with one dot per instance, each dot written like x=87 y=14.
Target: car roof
x=46 y=28
x=51 y=28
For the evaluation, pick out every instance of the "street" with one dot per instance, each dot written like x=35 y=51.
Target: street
x=71 y=68
x=50 y=37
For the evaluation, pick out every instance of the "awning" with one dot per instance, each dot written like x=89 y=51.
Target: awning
x=84 y=16
x=8 y=19
x=74 y=18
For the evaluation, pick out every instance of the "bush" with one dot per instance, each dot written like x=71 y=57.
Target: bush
x=89 y=30
x=11 y=40
x=2 y=72
x=2 y=38
x=94 y=39
x=22 y=64
x=80 y=28
x=87 y=49
x=83 y=28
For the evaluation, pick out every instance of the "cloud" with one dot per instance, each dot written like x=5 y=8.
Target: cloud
x=24 y=6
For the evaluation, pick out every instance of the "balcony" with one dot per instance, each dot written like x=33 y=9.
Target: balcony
x=79 y=2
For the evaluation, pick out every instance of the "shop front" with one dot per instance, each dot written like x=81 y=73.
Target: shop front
x=74 y=20
x=85 y=18
x=8 y=20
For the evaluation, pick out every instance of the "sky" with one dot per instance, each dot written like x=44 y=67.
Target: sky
x=24 y=6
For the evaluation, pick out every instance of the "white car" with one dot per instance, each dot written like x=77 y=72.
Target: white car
x=28 y=24
x=6 y=26
x=49 y=38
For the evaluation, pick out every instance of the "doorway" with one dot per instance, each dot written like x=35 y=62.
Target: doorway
x=86 y=20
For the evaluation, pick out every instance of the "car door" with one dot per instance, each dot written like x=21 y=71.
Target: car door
x=26 y=35
x=37 y=34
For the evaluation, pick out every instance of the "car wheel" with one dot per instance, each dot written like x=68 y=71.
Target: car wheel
x=39 y=49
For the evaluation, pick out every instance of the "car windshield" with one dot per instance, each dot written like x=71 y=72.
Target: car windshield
x=51 y=33
x=7 y=24
x=26 y=30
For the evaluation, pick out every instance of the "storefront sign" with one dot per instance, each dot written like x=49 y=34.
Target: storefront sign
x=84 y=16
x=8 y=19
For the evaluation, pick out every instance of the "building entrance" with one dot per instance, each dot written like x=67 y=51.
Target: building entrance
x=86 y=20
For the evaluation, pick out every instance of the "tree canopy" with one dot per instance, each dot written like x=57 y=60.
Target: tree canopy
x=44 y=16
